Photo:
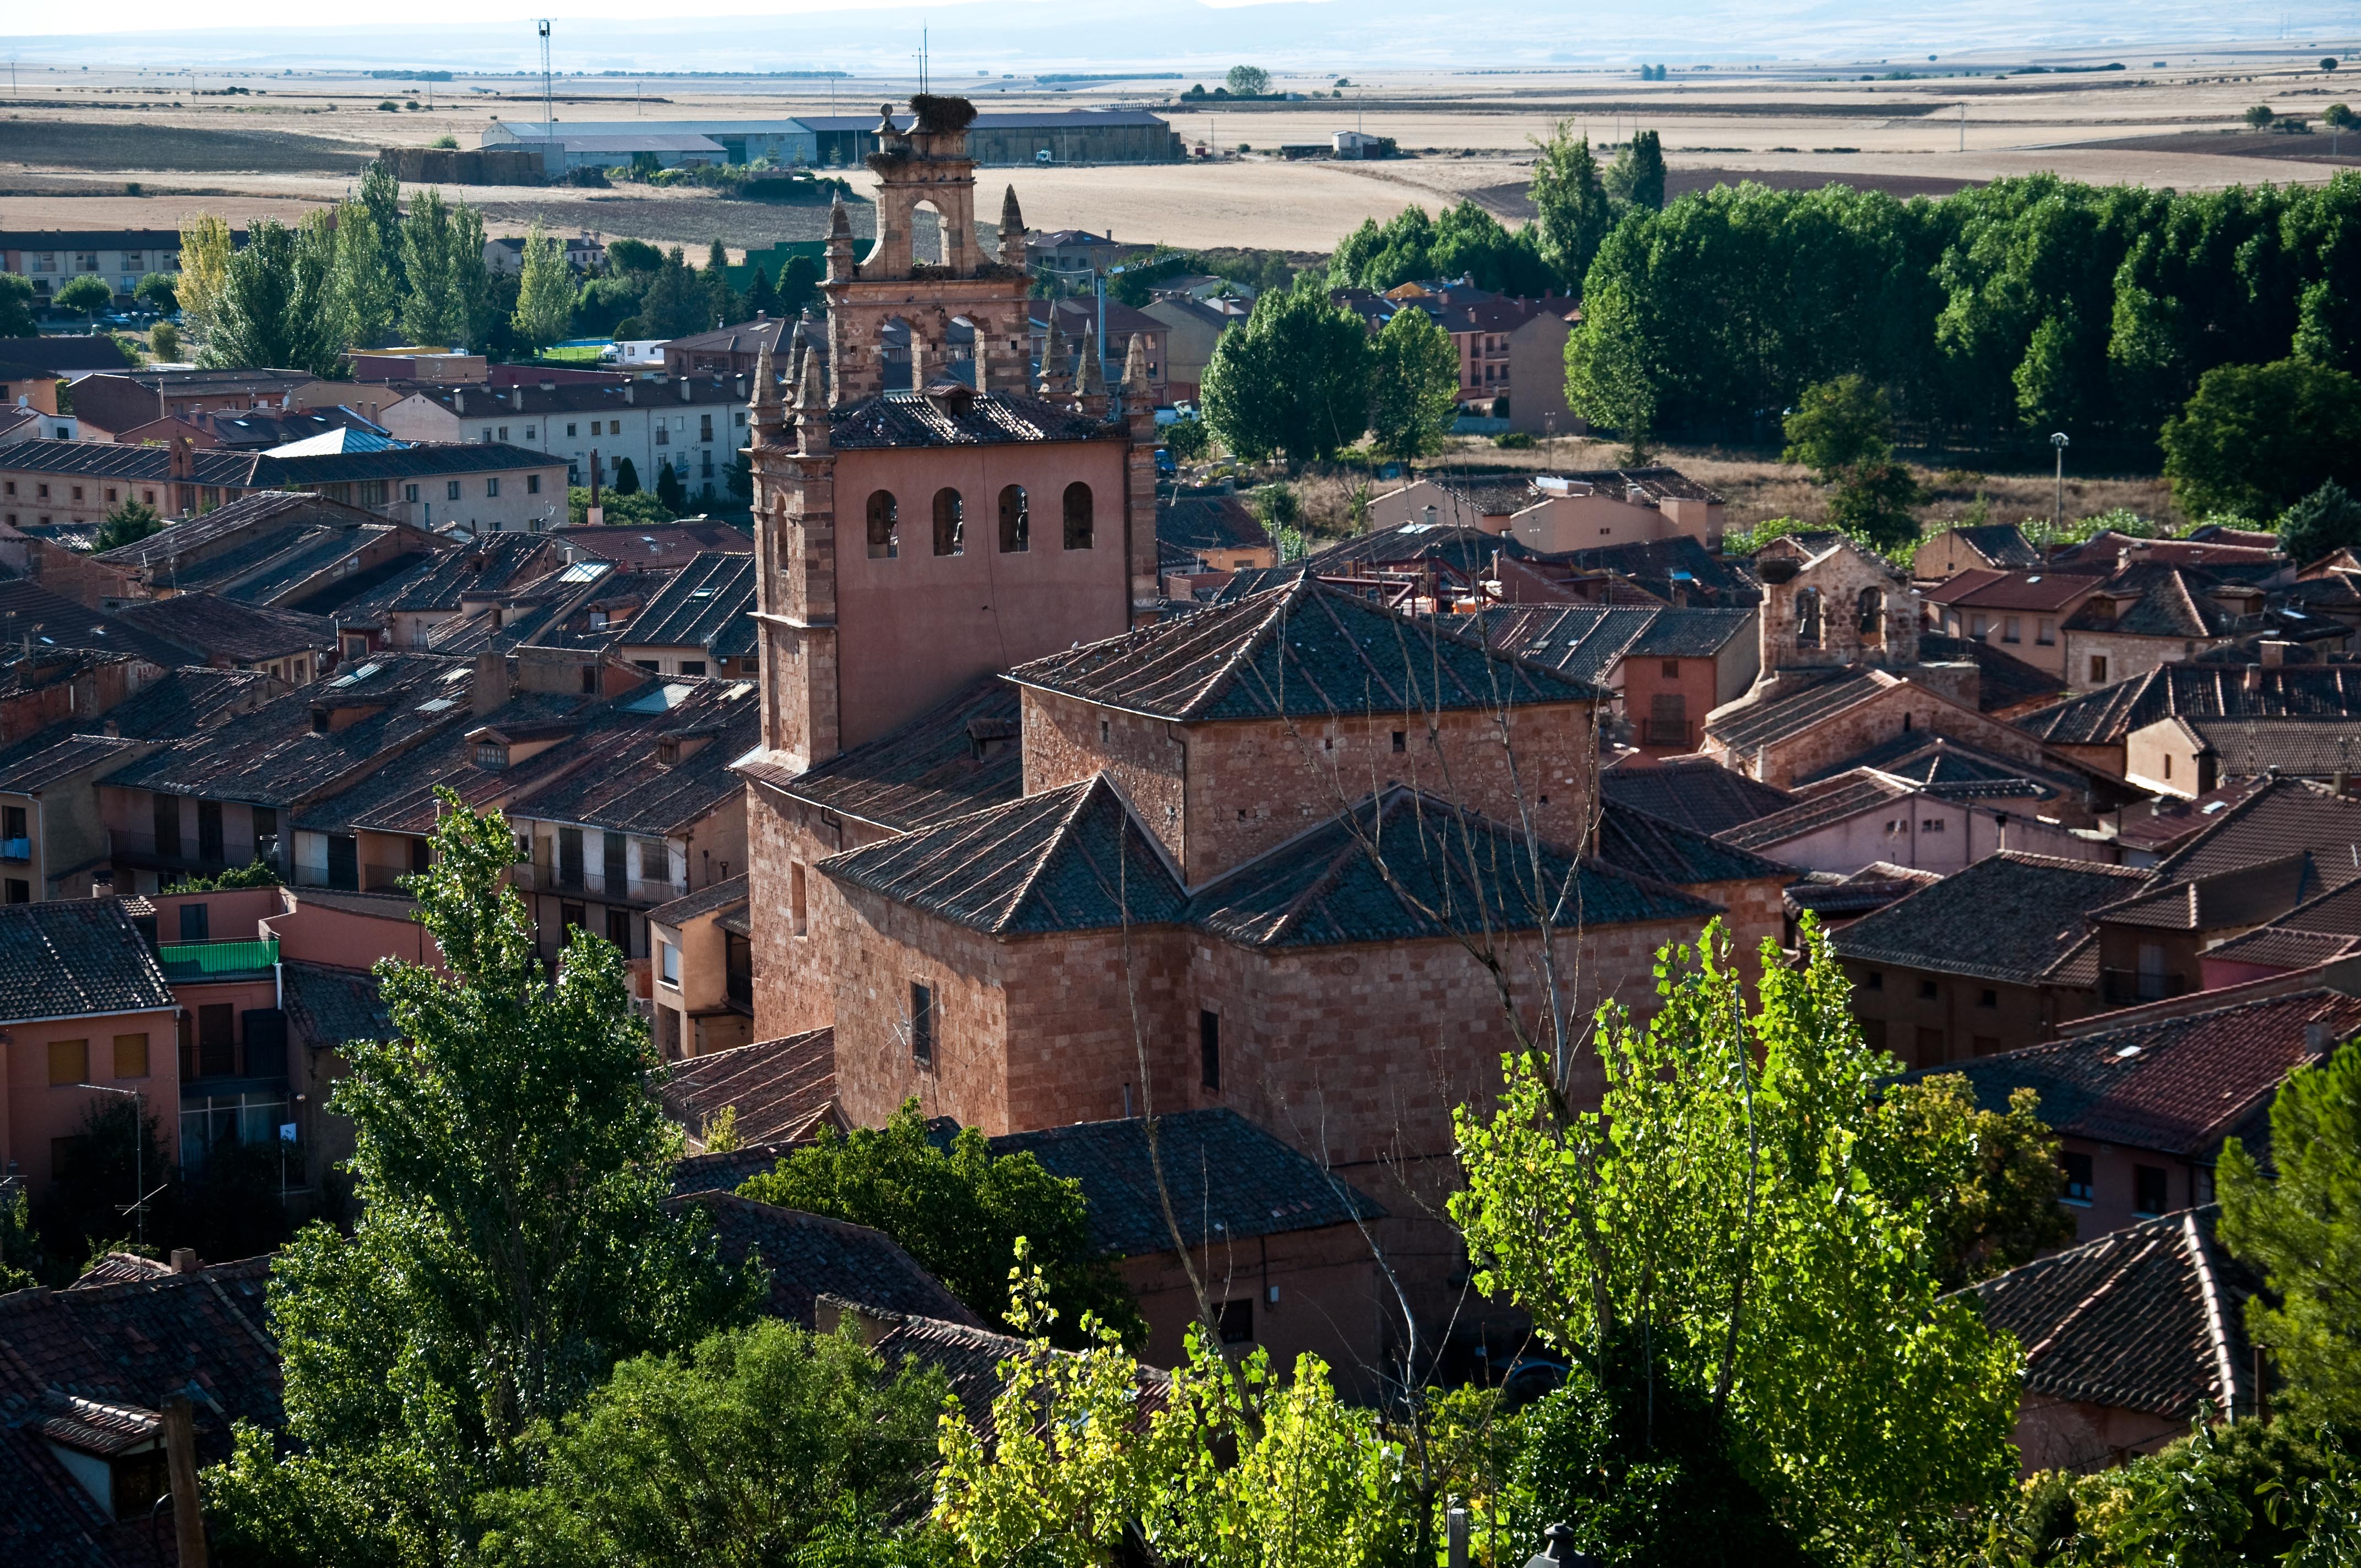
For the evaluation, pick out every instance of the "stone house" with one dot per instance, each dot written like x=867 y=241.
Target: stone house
x=1986 y=547
x=2092 y=727
x=2021 y=611
x=1668 y=668
x=2152 y=613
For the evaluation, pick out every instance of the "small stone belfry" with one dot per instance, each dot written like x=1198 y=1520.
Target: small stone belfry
x=927 y=165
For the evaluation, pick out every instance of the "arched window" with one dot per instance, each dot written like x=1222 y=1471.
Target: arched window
x=951 y=523
x=1016 y=520
x=1078 y=516
x=883 y=520
x=1870 y=615
x=1807 y=618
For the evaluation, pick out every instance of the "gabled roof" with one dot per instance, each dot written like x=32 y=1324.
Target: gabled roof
x=2149 y=1318
x=2002 y=545
x=1300 y=649
x=1767 y=723
x=2176 y=1085
x=1230 y=1181
x=617 y=779
x=2035 y=592
x=2003 y=681
x=1630 y=840
x=2165 y=602
x=704 y=901
x=286 y=509
x=2282 y=817
x=32 y=616
x=56 y=752
x=952 y=760
x=1701 y=794
x=2243 y=896
x=327 y=1007
x=709 y=604
x=1198 y=523
x=1443 y=870
x=75 y=957
x=218 y=627
x=1581 y=641
x=810 y=1255
x=1952 y=768
x=2312 y=745
x=2103 y=718
x=1841 y=801
x=2010 y=916
x=994 y=419
x=1662 y=565
x=782 y=1089
x=657 y=545
x=1871 y=888
x=485 y=565
x=1066 y=859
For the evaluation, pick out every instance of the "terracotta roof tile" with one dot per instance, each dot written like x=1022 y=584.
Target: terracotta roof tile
x=782 y=1089
x=1702 y=795
x=2010 y=916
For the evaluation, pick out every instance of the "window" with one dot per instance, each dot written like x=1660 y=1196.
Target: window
x=532 y=484
x=492 y=486
x=2149 y=1187
x=2009 y=630
x=1874 y=980
x=527 y=433
x=2075 y=1169
x=1927 y=991
x=795 y=899
x=1807 y=618
x=2098 y=669
x=951 y=523
x=569 y=429
x=2045 y=631
x=1209 y=1048
x=1988 y=997
x=1104 y=732
x=69 y=1061
x=492 y=754
x=663 y=436
x=705 y=427
x=487 y=435
x=883 y=521
x=692 y=667
x=504 y=433
x=166 y=819
x=1401 y=740
x=2167 y=764
x=266 y=834
x=410 y=492
x=130 y=1055
x=1930 y=1047
x=1016 y=521
x=655 y=861
x=614 y=427
x=619 y=930
x=1931 y=824
x=1236 y=1322
x=1976 y=627
x=922 y=1024
x=451 y=491
x=196 y=922
x=668 y=954
x=209 y=832
x=1078 y=516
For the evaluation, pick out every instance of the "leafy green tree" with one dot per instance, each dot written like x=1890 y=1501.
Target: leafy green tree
x=1997 y=1209
x=159 y=292
x=127 y=523
x=722 y=302
x=632 y=255
x=2302 y=1232
x=483 y=310
x=381 y=192
x=1186 y=438
x=1838 y=424
x=89 y=293
x=958 y=1211
x=253 y=873
x=2326 y=520
x=761 y=297
x=434 y=310
x=164 y=341
x=16 y=306
x=1236 y=1468
x=677 y=304
x=1293 y=378
x=204 y=274
x=1637 y=178
x=799 y=285
x=275 y=308
x=512 y=1245
x=367 y=291
x=544 y=291
x=1416 y=386
x=2259 y=116
x=758 y=1446
x=2255 y=438
x=633 y=509
x=1741 y=1204
x=1248 y=82
x=1570 y=205
x=1610 y=370
x=22 y=1260
x=1872 y=501
x=2337 y=117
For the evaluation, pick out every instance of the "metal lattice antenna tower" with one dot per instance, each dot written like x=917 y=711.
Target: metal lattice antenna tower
x=548 y=115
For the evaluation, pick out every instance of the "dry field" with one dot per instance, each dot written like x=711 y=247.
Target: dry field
x=72 y=140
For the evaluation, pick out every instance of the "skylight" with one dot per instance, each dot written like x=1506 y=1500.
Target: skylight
x=364 y=673
x=669 y=695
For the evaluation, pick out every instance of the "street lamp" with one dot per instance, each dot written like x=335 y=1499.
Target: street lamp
x=137 y=1206
x=2058 y=505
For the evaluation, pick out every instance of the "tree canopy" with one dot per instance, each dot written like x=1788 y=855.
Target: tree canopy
x=959 y=1211
x=1295 y=378
x=1416 y=386
x=2256 y=438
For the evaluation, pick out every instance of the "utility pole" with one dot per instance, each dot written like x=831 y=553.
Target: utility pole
x=1963 y=127
x=2058 y=506
x=548 y=112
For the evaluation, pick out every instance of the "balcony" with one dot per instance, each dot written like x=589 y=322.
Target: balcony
x=573 y=882
x=2129 y=988
x=17 y=849
x=353 y=878
x=186 y=962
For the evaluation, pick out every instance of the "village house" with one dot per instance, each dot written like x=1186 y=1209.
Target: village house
x=2188 y=757
x=48 y=257
x=1191 y=328
x=1667 y=668
x=699 y=623
x=694 y=424
x=1972 y=547
x=2093 y=728
x=1991 y=958
x=2020 y=610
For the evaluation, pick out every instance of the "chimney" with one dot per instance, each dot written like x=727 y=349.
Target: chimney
x=685 y=390
x=2274 y=651
x=458 y=399
x=2317 y=1037
x=184 y=1260
x=516 y=397
x=548 y=385
x=490 y=689
x=2254 y=681
x=181 y=1466
x=631 y=393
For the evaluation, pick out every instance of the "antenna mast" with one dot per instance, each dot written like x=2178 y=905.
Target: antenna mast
x=548 y=118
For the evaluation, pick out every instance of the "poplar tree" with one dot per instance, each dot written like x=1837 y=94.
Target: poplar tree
x=367 y=291
x=205 y=273
x=1570 y=205
x=432 y=311
x=1416 y=386
x=544 y=291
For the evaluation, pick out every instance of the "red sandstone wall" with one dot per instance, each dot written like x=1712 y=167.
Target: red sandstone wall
x=1219 y=795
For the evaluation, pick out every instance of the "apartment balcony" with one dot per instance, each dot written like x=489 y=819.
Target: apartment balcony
x=187 y=962
x=181 y=853
x=2129 y=988
x=353 y=878
x=580 y=881
x=19 y=850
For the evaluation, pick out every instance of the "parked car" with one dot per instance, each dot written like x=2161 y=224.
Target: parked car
x=1164 y=464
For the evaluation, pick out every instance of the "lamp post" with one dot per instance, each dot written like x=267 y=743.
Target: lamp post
x=137 y=1206
x=2058 y=504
